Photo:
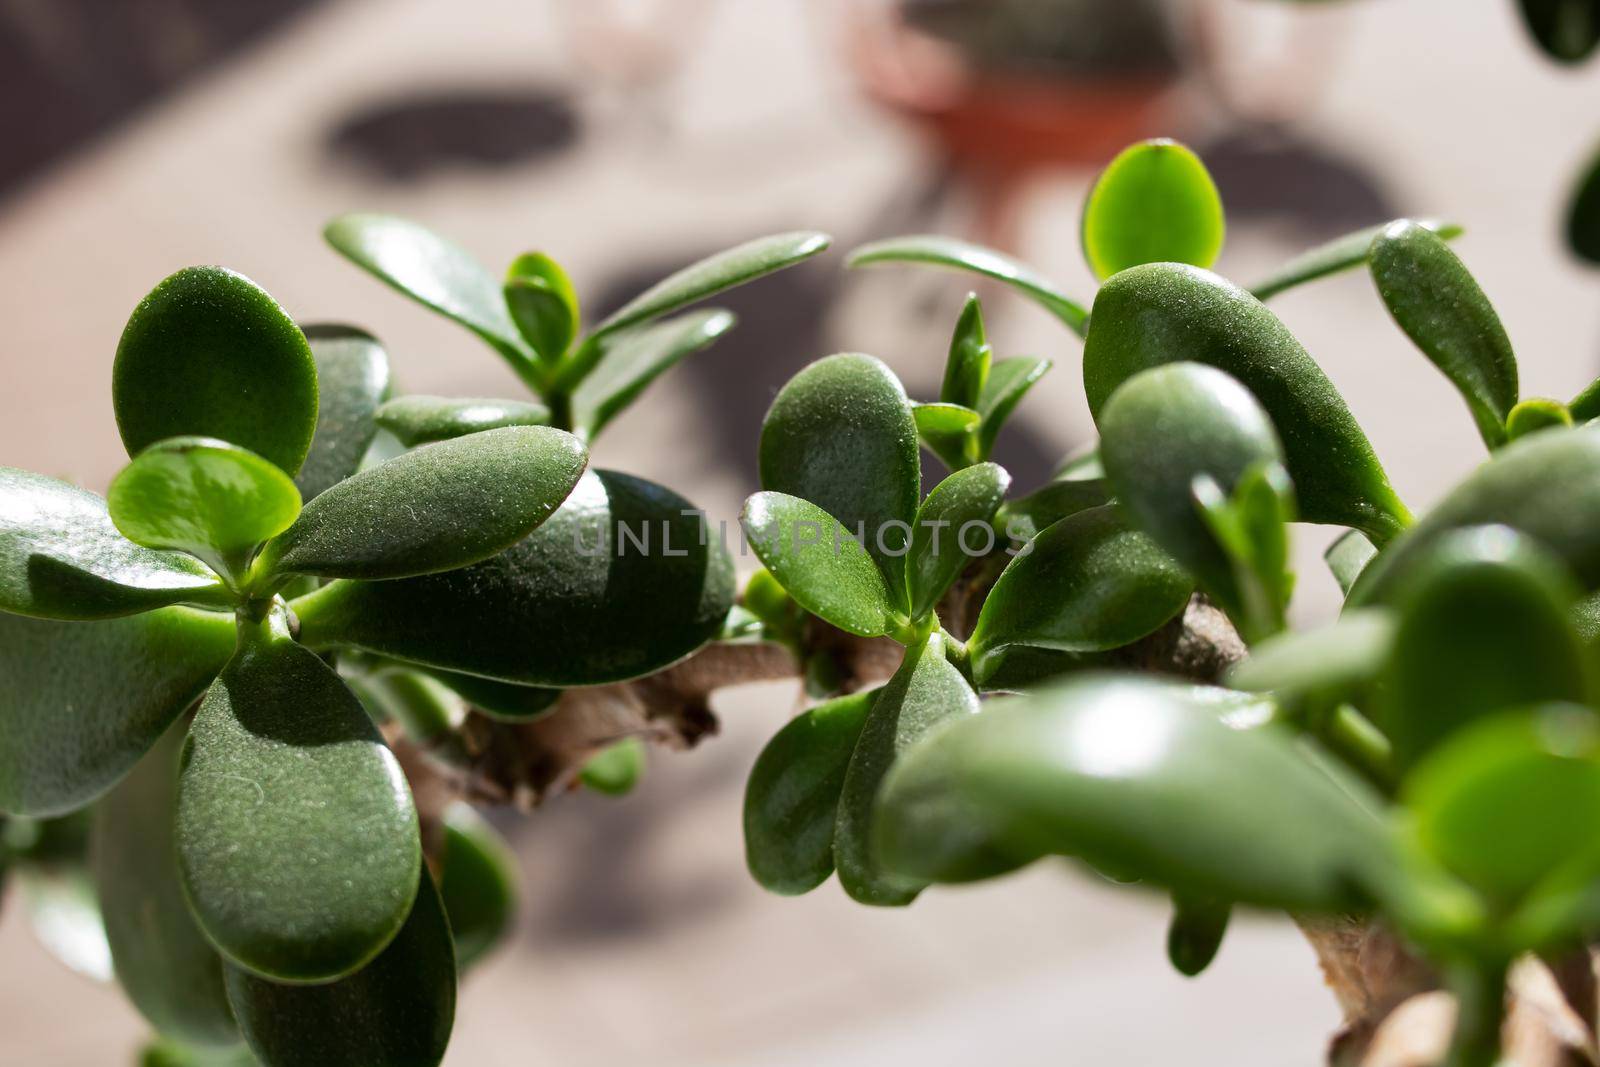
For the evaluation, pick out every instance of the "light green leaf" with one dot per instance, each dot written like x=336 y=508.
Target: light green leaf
x=967 y=367
x=1321 y=667
x=419 y=420
x=352 y=380
x=1338 y=255
x=634 y=360
x=949 y=431
x=953 y=527
x=543 y=304
x=1534 y=414
x=820 y=563
x=1155 y=203
x=477 y=883
x=1347 y=557
x=615 y=769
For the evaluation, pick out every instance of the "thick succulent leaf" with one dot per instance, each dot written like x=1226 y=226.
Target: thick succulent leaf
x=1322 y=667
x=924 y=693
x=352 y=380
x=633 y=360
x=296 y=833
x=1140 y=776
x=1437 y=302
x=625 y=578
x=1484 y=626
x=1338 y=255
x=1534 y=414
x=542 y=303
x=949 y=431
x=1252 y=525
x=953 y=527
x=820 y=563
x=1164 y=312
x=1026 y=517
x=396 y=1011
x=477 y=883
x=841 y=435
x=424 y=707
x=967 y=366
x=1086 y=584
x=61 y=557
x=1347 y=557
x=202 y=496
x=1154 y=203
x=431 y=271
x=434 y=509
x=1008 y=382
x=615 y=769
x=420 y=420
x=961 y=255
x=1583 y=216
x=792 y=798
x=80 y=702
x=1567 y=30
x=209 y=354
x=164 y=963
x=500 y=700
x=1196 y=931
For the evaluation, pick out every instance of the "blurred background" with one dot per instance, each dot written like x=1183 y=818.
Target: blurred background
x=627 y=137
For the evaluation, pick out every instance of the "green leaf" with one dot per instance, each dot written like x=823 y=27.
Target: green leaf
x=1086 y=584
x=967 y=367
x=792 y=799
x=433 y=272
x=1155 y=203
x=1008 y=382
x=1567 y=30
x=924 y=693
x=477 y=882
x=1320 y=668
x=1338 y=255
x=1484 y=626
x=615 y=769
x=296 y=833
x=434 y=509
x=80 y=702
x=1196 y=932
x=1347 y=557
x=1436 y=301
x=396 y=1011
x=1535 y=414
x=1164 y=312
x=953 y=527
x=164 y=963
x=949 y=431
x=820 y=563
x=209 y=354
x=352 y=380
x=164 y=1053
x=208 y=498
x=1583 y=215
x=419 y=420
x=1083 y=465
x=61 y=557
x=841 y=435
x=500 y=700
x=1140 y=776
x=543 y=304
x=633 y=360
x=1252 y=525
x=961 y=255
x=1026 y=517
x=625 y=578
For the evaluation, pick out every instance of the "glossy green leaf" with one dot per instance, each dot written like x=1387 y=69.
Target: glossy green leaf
x=1141 y=776
x=792 y=798
x=1163 y=312
x=615 y=769
x=1252 y=525
x=1583 y=215
x=1567 y=30
x=633 y=360
x=1321 y=667
x=961 y=255
x=841 y=435
x=1026 y=517
x=208 y=498
x=1535 y=414
x=924 y=693
x=1008 y=382
x=164 y=963
x=396 y=1011
x=1347 y=557
x=80 y=702
x=296 y=833
x=949 y=431
x=432 y=271
x=1154 y=203
x=352 y=380
x=1196 y=931
x=820 y=563
x=967 y=367
x=477 y=883
x=1086 y=584
x=625 y=578
x=1484 y=626
x=420 y=420
x=543 y=304
x=434 y=509
x=500 y=700
x=209 y=354
x=1338 y=255
x=952 y=528
x=61 y=557
x=1436 y=301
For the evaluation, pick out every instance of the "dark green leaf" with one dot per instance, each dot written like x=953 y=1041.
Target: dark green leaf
x=820 y=563
x=615 y=769
x=1340 y=254
x=61 y=557
x=953 y=527
x=1086 y=584
x=949 y=431
x=209 y=354
x=543 y=304
x=625 y=578
x=1026 y=517
x=80 y=702
x=352 y=380
x=925 y=692
x=1163 y=313
x=960 y=255
x=477 y=882
x=967 y=367
x=500 y=700
x=1535 y=414
x=1567 y=30
x=1347 y=557
x=1320 y=667
x=164 y=963
x=1436 y=301
x=420 y=420
x=296 y=833
x=1008 y=382
x=1583 y=216
x=1155 y=203
x=633 y=360
x=1195 y=934
x=434 y=509
x=792 y=799
x=425 y=708
x=396 y=1011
